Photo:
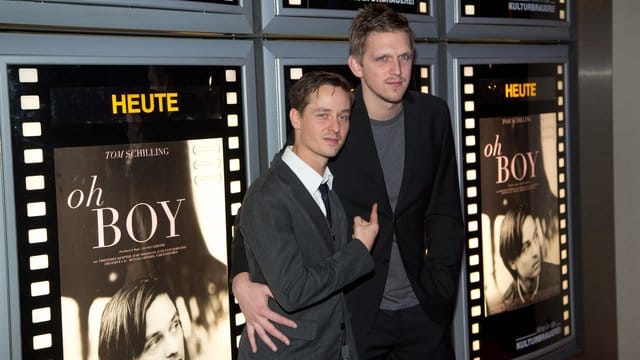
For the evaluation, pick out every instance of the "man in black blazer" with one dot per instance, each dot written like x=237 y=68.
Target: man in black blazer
x=295 y=230
x=400 y=153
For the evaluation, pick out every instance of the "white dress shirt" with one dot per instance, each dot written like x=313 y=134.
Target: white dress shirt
x=309 y=177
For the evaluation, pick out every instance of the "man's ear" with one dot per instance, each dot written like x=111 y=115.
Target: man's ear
x=294 y=117
x=355 y=67
x=512 y=265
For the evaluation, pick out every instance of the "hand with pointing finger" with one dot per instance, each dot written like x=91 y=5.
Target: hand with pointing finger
x=366 y=231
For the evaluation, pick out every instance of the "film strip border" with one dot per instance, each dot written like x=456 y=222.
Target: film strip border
x=33 y=183
x=235 y=187
x=471 y=188
x=469 y=7
x=562 y=199
x=424 y=76
x=37 y=249
x=471 y=195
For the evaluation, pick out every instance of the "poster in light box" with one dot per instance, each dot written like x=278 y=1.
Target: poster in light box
x=135 y=162
x=120 y=221
x=514 y=176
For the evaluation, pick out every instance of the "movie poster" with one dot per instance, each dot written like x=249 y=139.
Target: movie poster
x=520 y=233
x=138 y=165
x=516 y=9
x=519 y=204
x=136 y=211
x=515 y=196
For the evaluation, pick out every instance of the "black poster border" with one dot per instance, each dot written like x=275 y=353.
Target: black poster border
x=472 y=108
x=553 y=10
x=43 y=339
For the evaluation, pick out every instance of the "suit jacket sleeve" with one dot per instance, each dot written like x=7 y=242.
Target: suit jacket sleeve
x=239 y=262
x=238 y=253
x=266 y=225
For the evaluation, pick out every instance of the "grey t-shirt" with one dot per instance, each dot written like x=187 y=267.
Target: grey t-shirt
x=389 y=139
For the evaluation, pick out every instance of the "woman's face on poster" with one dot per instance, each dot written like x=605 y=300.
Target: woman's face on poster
x=164 y=337
x=529 y=262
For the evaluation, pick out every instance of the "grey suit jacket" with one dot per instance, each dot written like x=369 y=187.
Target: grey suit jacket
x=305 y=262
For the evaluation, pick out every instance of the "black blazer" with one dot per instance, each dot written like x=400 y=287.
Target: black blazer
x=427 y=220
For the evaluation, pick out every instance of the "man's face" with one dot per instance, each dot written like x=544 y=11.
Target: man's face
x=385 y=67
x=163 y=335
x=322 y=126
x=528 y=263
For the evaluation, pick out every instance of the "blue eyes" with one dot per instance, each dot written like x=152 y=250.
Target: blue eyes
x=404 y=57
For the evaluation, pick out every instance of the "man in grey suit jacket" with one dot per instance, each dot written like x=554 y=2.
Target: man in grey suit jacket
x=296 y=242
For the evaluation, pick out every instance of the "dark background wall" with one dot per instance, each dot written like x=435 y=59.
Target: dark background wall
x=626 y=168
x=595 y=201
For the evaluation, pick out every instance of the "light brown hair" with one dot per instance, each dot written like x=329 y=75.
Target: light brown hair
x=311 y=82
x=375 y=18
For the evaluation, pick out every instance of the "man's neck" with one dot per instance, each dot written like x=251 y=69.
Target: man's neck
x=317 y=163
x=379 y=109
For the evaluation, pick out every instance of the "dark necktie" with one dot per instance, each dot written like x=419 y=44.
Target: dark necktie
x=324 y=192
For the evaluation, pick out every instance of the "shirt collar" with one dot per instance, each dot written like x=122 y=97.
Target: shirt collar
x=309 y=177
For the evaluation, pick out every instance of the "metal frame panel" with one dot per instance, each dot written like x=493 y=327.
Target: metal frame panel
x=459 y=26
x=37 y=49
x=143 y=16
x=8 y=253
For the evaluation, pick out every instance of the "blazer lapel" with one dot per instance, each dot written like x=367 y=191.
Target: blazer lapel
x=362 y=136
x=411 y=118
x=307 y=202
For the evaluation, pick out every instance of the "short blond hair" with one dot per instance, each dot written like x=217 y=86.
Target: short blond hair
x=375 y=18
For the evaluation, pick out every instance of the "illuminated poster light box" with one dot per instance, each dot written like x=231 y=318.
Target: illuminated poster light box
x=140 y=16
x=333 y=17
x=517 y=280
x=126 y=180
x=516 y=9
x=517 y=19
